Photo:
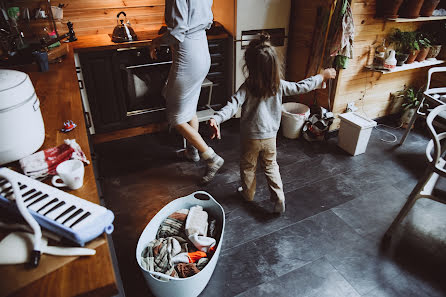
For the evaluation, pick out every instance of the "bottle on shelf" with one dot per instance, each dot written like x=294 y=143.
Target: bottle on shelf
x=380 y=55
x=390 y=62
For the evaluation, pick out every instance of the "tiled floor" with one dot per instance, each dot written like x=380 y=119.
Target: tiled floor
x=328 y=241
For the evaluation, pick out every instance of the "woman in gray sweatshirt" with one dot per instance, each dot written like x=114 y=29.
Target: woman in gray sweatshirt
x=260 y=98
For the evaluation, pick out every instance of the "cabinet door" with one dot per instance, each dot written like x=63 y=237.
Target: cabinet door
x=219 y=72
x=103 y=89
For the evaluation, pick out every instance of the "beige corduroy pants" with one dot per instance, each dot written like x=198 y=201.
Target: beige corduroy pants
x=264 y=150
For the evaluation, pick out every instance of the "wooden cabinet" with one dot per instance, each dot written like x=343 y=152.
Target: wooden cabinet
x=103 y=89
x=219 y=72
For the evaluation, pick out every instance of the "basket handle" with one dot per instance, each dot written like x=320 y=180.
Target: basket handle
x=165 y=277
x=203 y=193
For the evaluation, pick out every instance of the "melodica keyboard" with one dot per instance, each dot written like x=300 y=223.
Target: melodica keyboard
x=67 y=215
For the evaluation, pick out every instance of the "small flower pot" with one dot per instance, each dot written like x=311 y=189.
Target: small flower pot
x=428 y=7
x=411 y=9
x=422 y=54
x=412 y=57
x=391 y=8
x=401 y=58
x=406 y=117
x=433 y=52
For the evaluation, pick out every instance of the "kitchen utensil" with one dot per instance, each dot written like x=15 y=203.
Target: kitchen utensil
x=22 y=131
x=40 y=14
x=57 y=12
x=16 y=248
x=123 y=32
x=42 y=60
x=64 y=214
x=25 y=14
x=14 y=12
x=71 y=172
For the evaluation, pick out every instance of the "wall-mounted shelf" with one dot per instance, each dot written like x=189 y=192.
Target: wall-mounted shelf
x=413 y=65
x=419 y=19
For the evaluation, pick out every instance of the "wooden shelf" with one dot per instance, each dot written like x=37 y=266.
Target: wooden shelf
x=413 y=65
x=419 y=19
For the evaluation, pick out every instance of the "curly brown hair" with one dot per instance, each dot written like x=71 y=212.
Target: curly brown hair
x=262 y=67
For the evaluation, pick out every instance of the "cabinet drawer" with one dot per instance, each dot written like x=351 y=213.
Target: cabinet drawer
x=216 y=46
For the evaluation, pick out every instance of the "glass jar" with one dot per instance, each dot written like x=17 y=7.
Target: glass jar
x=380 y=55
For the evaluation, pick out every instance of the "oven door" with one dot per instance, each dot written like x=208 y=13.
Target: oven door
x=143 y=81
x=143 y=86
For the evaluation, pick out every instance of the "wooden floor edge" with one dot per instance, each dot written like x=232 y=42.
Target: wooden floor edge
x=130 y=132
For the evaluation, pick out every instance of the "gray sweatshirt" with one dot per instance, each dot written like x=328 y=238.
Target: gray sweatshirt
x=184 y=18
x=261 y=117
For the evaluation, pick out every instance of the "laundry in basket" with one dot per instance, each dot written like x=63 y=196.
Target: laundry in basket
x=163 y=285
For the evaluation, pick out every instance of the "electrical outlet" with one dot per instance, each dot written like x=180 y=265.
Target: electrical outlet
x=351 y=106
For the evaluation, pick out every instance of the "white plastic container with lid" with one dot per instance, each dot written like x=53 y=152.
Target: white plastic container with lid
x=354 y=133
x=22 y=131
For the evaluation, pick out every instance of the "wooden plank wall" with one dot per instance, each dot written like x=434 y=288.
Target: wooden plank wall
x=300 y=40
x=98 y=17
x=371 y=90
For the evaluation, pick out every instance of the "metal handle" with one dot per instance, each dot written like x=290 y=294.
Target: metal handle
x=149 y=64
x=88 y=119
x=117 y=16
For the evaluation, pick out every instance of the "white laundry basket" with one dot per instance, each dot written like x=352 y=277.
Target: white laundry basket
x=181 y=287
x=294 y=116
x=354 y=132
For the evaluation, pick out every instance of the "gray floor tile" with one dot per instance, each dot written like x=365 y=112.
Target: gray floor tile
x=363 y=266
x=316 y=279
x=373 y=212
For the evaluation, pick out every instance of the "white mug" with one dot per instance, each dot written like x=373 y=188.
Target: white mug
x=71 y=172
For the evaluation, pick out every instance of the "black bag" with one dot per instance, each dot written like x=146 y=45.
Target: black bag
x=317 y=125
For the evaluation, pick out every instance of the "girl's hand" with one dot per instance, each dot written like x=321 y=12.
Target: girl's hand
x=155 y=45
x=215 y=129
x=329 y=73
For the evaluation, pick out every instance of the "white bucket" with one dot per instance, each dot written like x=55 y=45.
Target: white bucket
x=294 y=116
x=181 y=287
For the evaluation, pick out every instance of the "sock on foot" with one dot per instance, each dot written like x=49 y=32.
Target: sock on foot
x=214 y=163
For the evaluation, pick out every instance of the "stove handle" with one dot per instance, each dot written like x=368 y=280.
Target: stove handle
x=87 y=119
x=148 y=64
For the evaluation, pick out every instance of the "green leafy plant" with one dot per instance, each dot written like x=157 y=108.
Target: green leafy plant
x=423 y=40
x=405 y=42
x=412 y=98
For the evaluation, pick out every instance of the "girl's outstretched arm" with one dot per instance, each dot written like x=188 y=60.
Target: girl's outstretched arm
x=307 y=85
x=230 y=109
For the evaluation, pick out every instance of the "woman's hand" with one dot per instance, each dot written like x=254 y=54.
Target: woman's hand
x=215 y=129
x=154 y=46
x=329 y=73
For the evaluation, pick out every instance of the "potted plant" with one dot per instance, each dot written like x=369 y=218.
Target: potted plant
x=401 y=42
x=390 y=8
x=425 y=45
x=411 y=8
x=435 y=48
x=436 y=33
x=406 y=43
x=428 y=7
x=411 y=101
